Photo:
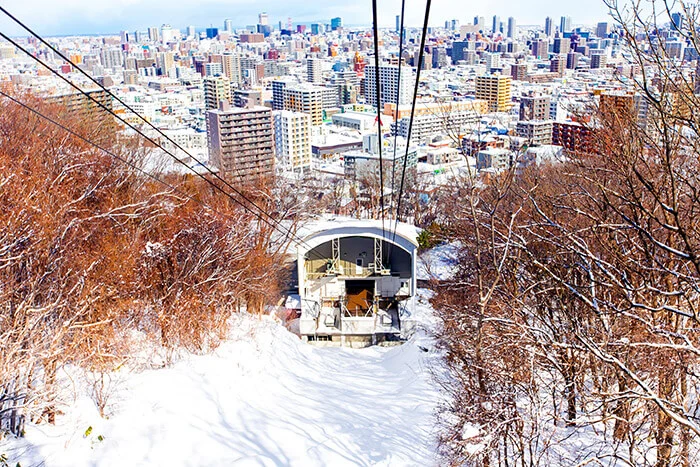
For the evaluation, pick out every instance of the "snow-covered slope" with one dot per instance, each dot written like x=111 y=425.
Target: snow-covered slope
x=262 y=398
x=438 y=263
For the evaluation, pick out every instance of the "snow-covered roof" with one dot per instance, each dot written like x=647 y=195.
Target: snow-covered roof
x=322 y=229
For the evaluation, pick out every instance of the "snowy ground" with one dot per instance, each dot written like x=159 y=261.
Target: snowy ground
x=262 y=398
x=438 y=263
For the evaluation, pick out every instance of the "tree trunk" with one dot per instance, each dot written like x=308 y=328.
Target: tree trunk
x=664 y=425
x=621 y=411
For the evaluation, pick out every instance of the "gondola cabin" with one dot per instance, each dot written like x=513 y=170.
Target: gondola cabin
x=357 y=279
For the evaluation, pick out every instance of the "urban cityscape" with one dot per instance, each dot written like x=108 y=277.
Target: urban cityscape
x=308 y=93
x=468 y=241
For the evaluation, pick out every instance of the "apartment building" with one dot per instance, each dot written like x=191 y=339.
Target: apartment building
x=305 y=98
x=232 y=67
x=314 y=71
x=496 y=89
x=453 y=124
x=292 y=132
x=216 y=90
x=288 y=94
x=89 y=106
x=389 y=84
x=241 y=143
x=534 y=108
x=535 y=132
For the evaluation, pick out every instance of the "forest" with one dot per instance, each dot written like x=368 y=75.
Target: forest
x=96 y=257
x=574 y=308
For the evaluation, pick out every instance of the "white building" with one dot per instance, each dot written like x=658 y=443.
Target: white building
x=361 y=121
x=451 y=124
x=313 y=71
x=169 y=34
x=356 y=281
x=388 y=77
x=292 y=140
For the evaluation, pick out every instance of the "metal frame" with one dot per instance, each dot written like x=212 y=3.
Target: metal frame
x=378 y=260
x=335 y=256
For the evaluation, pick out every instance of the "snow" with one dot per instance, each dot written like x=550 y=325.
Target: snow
x=329 y=222
x=470 y=431
x=438 y=263
x=262 y=398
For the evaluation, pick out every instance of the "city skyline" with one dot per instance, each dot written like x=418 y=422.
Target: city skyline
x=83 y=17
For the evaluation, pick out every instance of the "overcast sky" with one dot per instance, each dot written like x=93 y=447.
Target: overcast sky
x=58 y=17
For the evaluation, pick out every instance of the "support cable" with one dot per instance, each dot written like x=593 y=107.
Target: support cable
x=261 y=214
x=113 y=155
x=398 y=100
x=379 y=111
x=413 y=110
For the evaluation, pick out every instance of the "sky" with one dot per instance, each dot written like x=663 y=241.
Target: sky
x=64 y=17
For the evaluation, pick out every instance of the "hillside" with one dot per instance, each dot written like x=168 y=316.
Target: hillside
x=262 y=398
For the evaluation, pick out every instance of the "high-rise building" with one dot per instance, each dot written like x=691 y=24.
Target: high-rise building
x=603 y=29
x=427 y=61
x=388 y=77
x=561 y=45
x=228 y=25
x=540 y=48
x=398 y=24
x=439 y=57
x=534 y=108
x=495 y=24
x=213 y=69
x=460 y=48
x=492 y=60
x=241 y=143
x=330 y=97
x=495 y=89
x=231 y=63
x=572 y=60
x=169 y=34
x=212 y=33
x=573 y=136
x=518 y=71
x=299 y=97
x=348 y=84
x=88 y=106
x=216 y=90
x=558 y=64
x=153 y=34
x=336 y=23
x=624 y=105
x=599 y=59
x=565 y=24
x=278 y=87
x=112 y=58
x=165 y=62
x=511 y=27
x=313 y=71
x=263 y=19
x=292 y=132
x=548 y=26
x=191 y=32
x=480 y=22
x=677 y=21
